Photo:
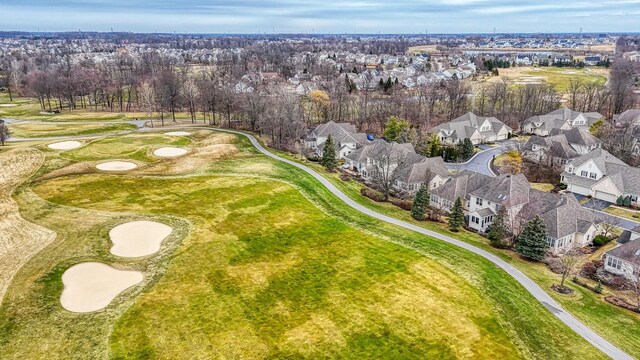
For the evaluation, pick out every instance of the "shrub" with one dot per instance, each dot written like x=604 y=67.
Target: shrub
x=403 y=204
x=598 y=288
x=590 y=269
x=372 y=194
x=600 y=240
x=562 y=186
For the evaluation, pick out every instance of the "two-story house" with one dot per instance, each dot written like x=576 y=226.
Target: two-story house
x=478 y=129
x=560 y=147
x=510 y=191
x=561 y=119
x=344 y=135
x=458 y=186
x=602 y=176
x=408 y=169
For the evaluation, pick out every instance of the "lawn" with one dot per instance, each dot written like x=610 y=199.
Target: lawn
x=617 y=325
x=628 y=214
x=546 y=187
x=559 y=78
x=264 y=262
x=42 y=129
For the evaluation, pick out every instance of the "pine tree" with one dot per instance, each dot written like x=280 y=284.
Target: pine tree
x=499 y=230
x=532 y=242
x=456 y=218
x=421 y=203
x=467 y=149
x=329 y=155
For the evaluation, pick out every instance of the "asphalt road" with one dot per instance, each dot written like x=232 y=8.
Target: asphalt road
x=481 y=161
x=533 y=288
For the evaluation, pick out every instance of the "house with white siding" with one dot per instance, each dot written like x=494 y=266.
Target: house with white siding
x=561 y=119
x=624 y=260
x=344 y=135
x=602 y=176
x=478 y=129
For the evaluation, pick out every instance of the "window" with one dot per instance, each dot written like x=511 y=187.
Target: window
x=584 y=173
x=614 y=263
x=592 y=175
x=478 y=201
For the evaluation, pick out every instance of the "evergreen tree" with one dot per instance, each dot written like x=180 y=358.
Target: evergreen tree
x=456 y=218
x=329 y=155
x=532 y=242
x=421 y=203
x=499 y=230
x=467 y=149
x=394 y=127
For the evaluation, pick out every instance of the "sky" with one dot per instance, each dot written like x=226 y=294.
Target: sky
x=321 y=16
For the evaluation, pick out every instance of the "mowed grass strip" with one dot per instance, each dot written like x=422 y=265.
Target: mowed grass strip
x=41 y=129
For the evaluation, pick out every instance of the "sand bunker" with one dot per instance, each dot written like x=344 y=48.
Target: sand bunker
x=178 y=133
x=116 y=166
x=138 y=238
x=65 y=145
x=8 y=105
x=169 y=151
x=92 y=286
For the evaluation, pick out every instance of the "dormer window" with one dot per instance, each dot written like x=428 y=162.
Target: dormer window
x=584 y=173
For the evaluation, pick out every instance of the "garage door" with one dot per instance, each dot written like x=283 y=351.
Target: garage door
x=605 y=196
x=580 y=190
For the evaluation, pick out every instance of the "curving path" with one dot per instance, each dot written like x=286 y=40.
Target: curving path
x=533 y=288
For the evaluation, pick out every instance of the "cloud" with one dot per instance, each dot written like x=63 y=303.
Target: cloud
x=329 y=16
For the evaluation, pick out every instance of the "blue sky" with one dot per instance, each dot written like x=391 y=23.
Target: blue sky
x=321 y=16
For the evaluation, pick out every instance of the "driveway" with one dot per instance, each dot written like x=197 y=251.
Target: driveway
x=481 y=161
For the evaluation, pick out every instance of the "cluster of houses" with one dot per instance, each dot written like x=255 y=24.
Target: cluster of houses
x=560 y=138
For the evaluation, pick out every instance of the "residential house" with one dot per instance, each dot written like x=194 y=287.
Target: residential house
x=624 y=259
x=458 y=186
x=602 y=176
x=344 y=135
x=510 y=191
x=627 y=118
x=560 y=147
x=569 y=225
x=561 y=119
x=478 y=129
x=417 y=170
x=410 y=170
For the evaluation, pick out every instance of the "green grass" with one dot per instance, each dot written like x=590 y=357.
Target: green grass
x=41 y=129
x=546 y=187
x=266 y=263
x=631 y=215
x=136 y=146
x=617 y=325
x=560 y=78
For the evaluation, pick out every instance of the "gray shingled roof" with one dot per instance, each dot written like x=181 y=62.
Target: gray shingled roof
x=513 y=189
x=578 y=136
x=562 y=214
x=417 y=167
x=629 y=252
x=557 y=118
x=466 y=125
x=461 y=185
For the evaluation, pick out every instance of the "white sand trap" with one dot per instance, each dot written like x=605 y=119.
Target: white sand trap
x=116 y=166
x=178 y=133
x=138 y=238
x=8 y=105
x=169 y=151
x=92 y=286
x=65 y=145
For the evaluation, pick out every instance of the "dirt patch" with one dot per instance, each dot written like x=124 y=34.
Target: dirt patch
x=19 y=239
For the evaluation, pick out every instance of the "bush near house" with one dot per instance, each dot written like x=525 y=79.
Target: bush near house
x=600 y=240
x=372 y=194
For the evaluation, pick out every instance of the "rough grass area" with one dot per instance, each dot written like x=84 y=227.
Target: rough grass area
x=42 y=129
x=546 y=187
x=559 y=78
x=613 y=323
x=266 y=263
x=19 y=239
x=628 y=214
